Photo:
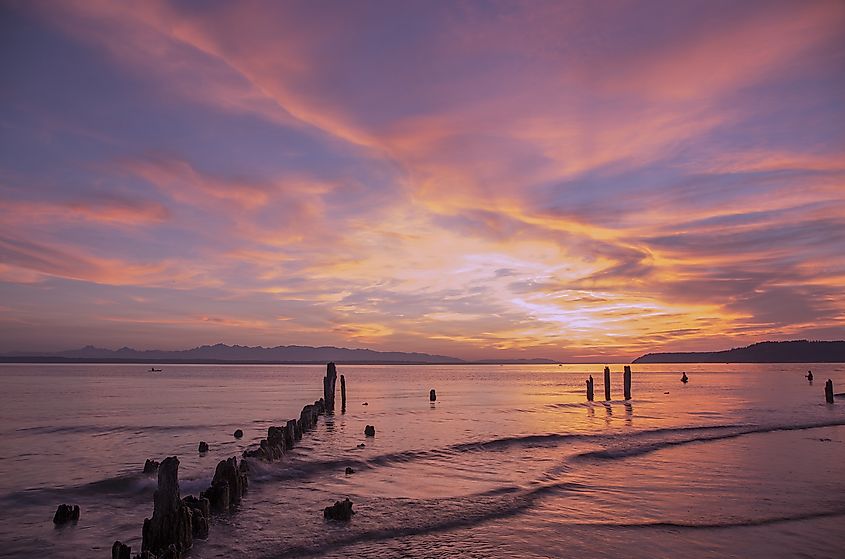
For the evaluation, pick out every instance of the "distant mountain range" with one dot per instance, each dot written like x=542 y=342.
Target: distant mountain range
x=797 y=351
x=222 y=353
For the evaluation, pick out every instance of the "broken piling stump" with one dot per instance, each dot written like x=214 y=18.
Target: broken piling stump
x=607 y=383
x=170 y=524
x=120 y=551
x=432 y=396
x=369 y=431
x=626 y=376
x=342 y=393
x=590 y=394
x=828 y=391
x=66 y=513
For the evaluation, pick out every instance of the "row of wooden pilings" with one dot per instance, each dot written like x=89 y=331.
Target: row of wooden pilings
x=626 y=381
x=176 y=521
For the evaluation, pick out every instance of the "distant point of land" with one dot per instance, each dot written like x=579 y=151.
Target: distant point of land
x=796 y=351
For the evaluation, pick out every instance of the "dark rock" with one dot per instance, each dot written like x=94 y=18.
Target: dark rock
x=66 y=513
x=349 y=470
x=150 y=466
x=370 y=431
x=361 y=445
x=169 y=532
x=203 y=447
x=120 y=551
x=341 y=510
x=432 y=395
x=365 y=404
x=238 y=434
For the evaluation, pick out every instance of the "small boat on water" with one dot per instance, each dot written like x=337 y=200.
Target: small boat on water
x=154 y=370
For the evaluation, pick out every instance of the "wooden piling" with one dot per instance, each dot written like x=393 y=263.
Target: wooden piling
x=329 y=383
x=590 y=389
x=607 y=383
x=627 y=381
x=828 y=391
x=342 y=393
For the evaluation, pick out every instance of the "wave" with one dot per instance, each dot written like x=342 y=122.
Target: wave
x=132 y=487
x=719 y=525
x=505 y=502
x=731 y=433
x=439 y=516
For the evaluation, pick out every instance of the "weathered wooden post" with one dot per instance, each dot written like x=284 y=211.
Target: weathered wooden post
x=607 y=383
x=342 y=393
x=329 y=383
x=170 y=523
x=626 y=376
x=432 y=395
x=590 y=389
x=828 y=391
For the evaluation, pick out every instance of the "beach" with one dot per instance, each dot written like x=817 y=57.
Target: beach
x=511 y=460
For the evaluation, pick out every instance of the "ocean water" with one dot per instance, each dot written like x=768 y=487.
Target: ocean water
x=511 y=461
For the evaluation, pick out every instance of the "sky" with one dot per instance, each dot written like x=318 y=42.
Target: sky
x=570 y=180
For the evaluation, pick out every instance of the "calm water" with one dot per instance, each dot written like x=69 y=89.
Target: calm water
x=744 y=461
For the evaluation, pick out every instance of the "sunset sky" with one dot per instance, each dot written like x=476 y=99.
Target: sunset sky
x=571 y=180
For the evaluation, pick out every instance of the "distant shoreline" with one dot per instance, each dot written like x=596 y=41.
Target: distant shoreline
x=92 y=361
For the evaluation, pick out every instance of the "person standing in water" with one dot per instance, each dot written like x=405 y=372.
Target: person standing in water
x=810 y=376
x=684 y=377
